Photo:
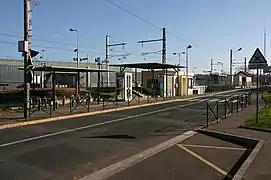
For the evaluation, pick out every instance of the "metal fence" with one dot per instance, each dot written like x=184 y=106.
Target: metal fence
x=224 y=107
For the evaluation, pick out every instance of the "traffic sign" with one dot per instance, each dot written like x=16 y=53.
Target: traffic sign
x=257 y=61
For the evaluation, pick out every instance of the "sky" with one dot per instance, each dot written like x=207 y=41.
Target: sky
x=212 y=27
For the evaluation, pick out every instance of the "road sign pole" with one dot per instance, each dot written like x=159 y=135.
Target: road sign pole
x=257 y=103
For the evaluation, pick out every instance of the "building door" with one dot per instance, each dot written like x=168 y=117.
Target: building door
x=244 y=81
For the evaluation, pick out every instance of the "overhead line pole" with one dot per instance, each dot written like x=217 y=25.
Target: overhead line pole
x=163 y=53
x=26 y=59
x=107 y=49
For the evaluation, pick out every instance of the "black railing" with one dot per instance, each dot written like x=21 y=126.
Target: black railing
x=224 y=107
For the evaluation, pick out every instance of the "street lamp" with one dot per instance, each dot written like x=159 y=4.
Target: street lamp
x=231 y=53
x=77 y=60
x=186 y=64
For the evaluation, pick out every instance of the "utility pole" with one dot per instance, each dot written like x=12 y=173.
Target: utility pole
x=164 y=47
x=107 y=49
x=107 y=57
x=187 y=67
x=264 y=42
x=26 y=59
x=211 y=78
x=163 y=39
x=231 y=80
x=245 y=63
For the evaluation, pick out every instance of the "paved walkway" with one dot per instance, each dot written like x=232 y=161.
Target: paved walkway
x=260 y=168
x=13 y=116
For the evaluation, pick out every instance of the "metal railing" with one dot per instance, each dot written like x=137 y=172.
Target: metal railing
x=38 y=104
x=224 y=107
x=79 y=101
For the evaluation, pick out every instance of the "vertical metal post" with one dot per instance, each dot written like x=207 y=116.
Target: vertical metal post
x=211 y=78
x=186 y=64
x=54 y=90
x=26 y=59
x=237 y=103
x=164 y=47
x=225 y=108
x=245 y=63
x=107 y=57
x=217 y=104
x=231 y=80
x=257 y=98
x=98 y=86
x=136 y=85
x=166 y=84
x=207 y=113
x=77 y=65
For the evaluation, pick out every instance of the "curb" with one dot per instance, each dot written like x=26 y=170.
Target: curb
x=236 y=139
x=243 y=169
x=255 y=129
x=249 y=143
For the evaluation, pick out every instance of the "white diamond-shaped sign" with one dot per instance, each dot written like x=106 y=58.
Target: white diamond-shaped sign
x=257 y=58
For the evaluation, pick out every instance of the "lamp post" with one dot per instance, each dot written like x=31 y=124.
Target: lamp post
x=231 y=53
x=77 y=60
x=186 y=64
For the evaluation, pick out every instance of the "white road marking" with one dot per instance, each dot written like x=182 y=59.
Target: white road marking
x=213 y=100
x=93 y=125
x=137 y=158
x=204 y=161
x=213 y=147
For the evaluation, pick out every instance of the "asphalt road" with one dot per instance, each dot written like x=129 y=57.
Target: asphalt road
x=176 y=163
x=72 y=148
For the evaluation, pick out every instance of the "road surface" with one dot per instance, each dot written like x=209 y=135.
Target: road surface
x=73 y=148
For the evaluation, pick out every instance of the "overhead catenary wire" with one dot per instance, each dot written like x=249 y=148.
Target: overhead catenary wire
x=62 y=43
x=67 y=49
x=147 y=22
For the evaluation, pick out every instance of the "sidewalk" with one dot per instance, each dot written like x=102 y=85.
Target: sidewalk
x=15 y=116
x=260 y=169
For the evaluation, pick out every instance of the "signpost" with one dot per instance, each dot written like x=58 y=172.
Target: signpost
x=257 y=62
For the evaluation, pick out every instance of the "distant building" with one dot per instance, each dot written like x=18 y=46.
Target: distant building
x=243 y=79
x=12 y=77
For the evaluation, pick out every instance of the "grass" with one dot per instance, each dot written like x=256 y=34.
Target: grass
x=264 y=117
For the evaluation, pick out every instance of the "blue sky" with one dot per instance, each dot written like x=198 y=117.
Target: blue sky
x=212 y=27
